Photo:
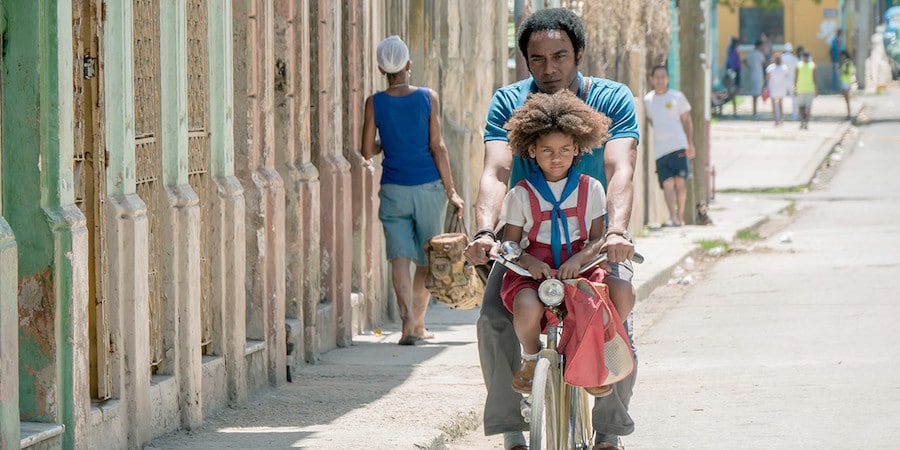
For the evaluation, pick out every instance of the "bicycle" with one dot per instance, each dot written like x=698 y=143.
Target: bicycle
x=559 y=414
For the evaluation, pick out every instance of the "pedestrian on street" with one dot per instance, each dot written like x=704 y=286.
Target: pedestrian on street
x=669 y=112
x=806 y=88
x=755 y=62
x=789 y=59
x=835 y=49
x=416 y=182
x=847 y=75
x=733 y=72
x=778 y=79
x=552 y=42
x=554 y=130
x=733 y=62
x=766 y=47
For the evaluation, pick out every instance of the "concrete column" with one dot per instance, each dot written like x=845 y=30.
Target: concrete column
x=334 y=173
x=179 y=221
x=9 y=335
x=255 y=158
x=308 y=188
x=127 y=243
x=71 y=262
x=367 y=261
x=128 y=225
x=227 y=254
x=292 y=137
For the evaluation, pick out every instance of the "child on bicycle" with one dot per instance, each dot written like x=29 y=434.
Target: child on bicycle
x=556 y=213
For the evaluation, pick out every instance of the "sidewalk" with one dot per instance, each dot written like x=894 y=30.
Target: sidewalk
x=377 y=394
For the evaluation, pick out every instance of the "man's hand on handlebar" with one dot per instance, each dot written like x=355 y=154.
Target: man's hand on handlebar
x=617 y=248
x=480 y=250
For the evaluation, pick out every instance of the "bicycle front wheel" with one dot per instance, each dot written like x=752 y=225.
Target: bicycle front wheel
x=545 y=398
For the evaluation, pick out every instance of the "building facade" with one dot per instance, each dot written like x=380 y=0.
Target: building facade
x=802 y=22
x=184 y=214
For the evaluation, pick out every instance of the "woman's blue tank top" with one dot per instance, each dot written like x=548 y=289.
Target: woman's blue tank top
x=403 y=125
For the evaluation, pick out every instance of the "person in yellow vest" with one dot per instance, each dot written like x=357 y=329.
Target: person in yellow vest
x=846 y=72
x=805 y=87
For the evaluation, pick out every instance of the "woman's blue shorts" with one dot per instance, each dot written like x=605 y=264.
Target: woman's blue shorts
x=411 y=215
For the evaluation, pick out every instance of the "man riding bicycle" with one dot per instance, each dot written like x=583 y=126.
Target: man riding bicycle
x=552 y=41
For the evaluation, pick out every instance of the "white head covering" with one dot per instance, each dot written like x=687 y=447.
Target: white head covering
x=788 y=47
x=393 y=54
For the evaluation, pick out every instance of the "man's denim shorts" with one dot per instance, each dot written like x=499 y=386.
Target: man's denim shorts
x=410 y=216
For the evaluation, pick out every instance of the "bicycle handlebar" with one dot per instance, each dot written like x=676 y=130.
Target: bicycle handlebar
x=513 y=248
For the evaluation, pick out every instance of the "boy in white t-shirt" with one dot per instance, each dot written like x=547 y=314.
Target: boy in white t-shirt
x=670 y=114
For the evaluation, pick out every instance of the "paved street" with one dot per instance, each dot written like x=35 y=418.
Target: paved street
x=792 y=343
x=376 y=394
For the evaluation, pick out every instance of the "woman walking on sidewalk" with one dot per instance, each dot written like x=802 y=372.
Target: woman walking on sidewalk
x=756 y=64
x=416 y=182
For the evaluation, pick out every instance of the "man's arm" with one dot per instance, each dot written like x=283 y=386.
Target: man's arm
x=618 y=161
x=492 y=190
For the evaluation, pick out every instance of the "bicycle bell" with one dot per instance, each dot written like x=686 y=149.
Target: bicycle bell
x=551 y=292
x=510 y=250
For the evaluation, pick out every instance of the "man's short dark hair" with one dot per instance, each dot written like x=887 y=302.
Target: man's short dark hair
x=659 y=67
x=552 y=19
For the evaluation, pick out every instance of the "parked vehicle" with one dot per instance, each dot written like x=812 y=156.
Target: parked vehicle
x=891 y=36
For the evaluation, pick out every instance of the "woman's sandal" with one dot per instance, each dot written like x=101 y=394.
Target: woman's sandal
x=413 y=340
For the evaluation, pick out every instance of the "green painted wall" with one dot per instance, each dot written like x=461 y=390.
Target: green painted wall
x=38 y=198
x=221 y=89
x=22 y=129
x=117 y=78
x=173 y=95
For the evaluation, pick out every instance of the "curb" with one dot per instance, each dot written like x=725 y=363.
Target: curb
x=662 y=277
x=457 y=427
x=834 y=141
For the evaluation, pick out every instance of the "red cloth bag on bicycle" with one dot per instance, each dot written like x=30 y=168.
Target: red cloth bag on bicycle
x=594 y=342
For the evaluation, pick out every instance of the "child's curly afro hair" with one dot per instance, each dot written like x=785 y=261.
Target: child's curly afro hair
x=560 y=112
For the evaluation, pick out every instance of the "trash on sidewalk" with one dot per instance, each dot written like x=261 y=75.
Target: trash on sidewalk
x=680 y=276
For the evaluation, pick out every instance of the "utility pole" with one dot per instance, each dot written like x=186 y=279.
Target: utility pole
x=695 y=84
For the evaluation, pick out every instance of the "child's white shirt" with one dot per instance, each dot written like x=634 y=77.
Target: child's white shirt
x=517 y=210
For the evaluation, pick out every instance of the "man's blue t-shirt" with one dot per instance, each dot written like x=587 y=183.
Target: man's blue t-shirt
x=608 y=97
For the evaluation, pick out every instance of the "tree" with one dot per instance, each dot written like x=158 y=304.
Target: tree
x=618 y=31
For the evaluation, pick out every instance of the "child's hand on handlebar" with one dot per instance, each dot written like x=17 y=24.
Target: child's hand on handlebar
x=539 y=269
x=569 y=269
